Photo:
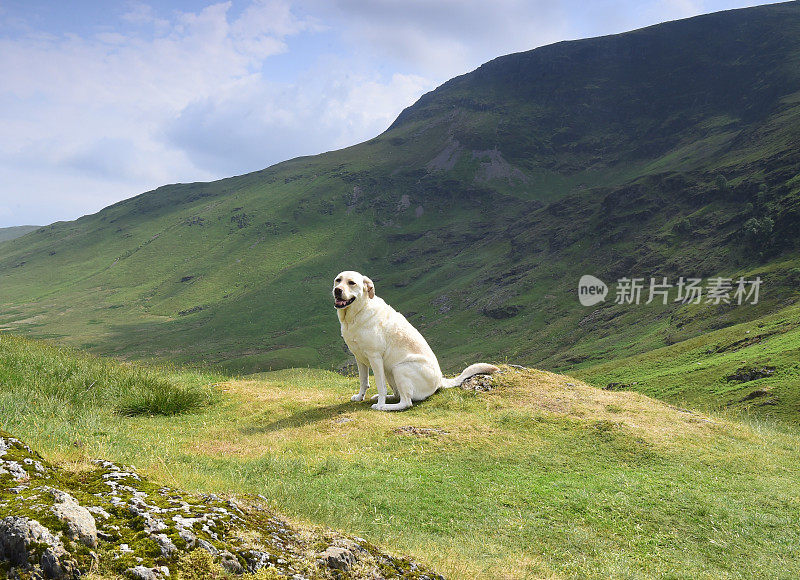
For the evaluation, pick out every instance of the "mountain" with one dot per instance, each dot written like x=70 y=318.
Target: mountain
x=15 y=232
x=670 y=151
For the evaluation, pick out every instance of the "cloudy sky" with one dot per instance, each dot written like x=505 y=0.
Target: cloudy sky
x=101 y=100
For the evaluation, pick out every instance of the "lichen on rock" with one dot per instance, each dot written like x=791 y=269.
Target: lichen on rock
x=117 y=524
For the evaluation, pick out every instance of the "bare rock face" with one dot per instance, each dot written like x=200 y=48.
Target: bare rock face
x=54 y=524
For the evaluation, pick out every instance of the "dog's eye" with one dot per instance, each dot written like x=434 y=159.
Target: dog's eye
x=337 y=280
x=352 y=283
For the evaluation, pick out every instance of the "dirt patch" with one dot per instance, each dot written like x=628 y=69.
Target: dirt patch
x=757 y=394
x=420 y=431
x=617 y=387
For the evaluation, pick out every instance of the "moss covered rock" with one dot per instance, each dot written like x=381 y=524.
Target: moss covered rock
x=112 y=522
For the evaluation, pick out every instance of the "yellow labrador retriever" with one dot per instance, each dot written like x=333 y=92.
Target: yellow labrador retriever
x=382 y=339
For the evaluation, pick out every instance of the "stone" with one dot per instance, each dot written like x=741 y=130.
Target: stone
x=337 y=558
x=144 y=573
x=51 y=564
x=98 y=511
x=479 y=383
x=16 y=470
x=80 y=521
x=231 y=563
x=207 y=546
x=256 y=560
x=18 y=534
x=188 y=537
x=168 y=549
x=153 y=524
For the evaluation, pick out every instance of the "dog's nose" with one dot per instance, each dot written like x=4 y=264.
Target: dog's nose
x=337 y=292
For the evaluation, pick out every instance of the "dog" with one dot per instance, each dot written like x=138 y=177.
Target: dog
x=382 y=339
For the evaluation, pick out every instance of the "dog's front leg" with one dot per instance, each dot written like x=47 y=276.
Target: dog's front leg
x=363 y=377
x=380 y=381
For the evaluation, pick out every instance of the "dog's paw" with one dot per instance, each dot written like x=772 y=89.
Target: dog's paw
x=379 y=407
x=358 y=397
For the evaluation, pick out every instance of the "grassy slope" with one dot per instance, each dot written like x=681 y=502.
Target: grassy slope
x=15 y=232
x=489 y=197
x=543 y=476
x=702 y=371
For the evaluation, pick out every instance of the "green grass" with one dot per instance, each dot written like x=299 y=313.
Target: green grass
x=536 y=478
x=61 y=382
x=15 y=232
x=164 y=401
x=587 y=179
x=702 y=371
x=541 y=477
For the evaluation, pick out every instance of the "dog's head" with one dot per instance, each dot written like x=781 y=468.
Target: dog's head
x=350 y=286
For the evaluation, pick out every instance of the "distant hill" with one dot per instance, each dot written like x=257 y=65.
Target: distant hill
x=15 y=232
x=670 y=151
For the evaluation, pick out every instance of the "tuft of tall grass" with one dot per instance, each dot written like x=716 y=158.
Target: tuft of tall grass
x=168 y=400
x=60 y=381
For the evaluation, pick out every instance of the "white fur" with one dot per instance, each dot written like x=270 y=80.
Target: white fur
x=382 y=339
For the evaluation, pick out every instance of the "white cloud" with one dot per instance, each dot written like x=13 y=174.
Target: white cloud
x=447 y=37
x=143 y=14
x=88 y=114
x=258 y=123
x=90 y=119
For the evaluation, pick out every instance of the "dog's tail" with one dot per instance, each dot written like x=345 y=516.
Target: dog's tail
x=470 y=371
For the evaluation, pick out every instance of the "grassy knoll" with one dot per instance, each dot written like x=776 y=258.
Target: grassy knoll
x=543 y=476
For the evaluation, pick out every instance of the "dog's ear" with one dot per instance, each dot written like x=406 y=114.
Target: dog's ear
x=369 y=287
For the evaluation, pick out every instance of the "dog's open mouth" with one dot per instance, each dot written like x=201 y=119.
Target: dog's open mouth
x=340 y=303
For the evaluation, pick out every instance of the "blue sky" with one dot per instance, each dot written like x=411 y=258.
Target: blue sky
x=103 y=100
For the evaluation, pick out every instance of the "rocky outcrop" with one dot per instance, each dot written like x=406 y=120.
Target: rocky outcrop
x=112 y=521
x=24 y=541
x=79 y=521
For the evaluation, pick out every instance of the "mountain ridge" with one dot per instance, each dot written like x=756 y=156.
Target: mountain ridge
x=476 y=212
x=13 y=232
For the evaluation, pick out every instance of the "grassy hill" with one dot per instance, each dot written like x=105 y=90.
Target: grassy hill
x=540 y=475
x=664 y=152
x=15 y=232
x=749 y=367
